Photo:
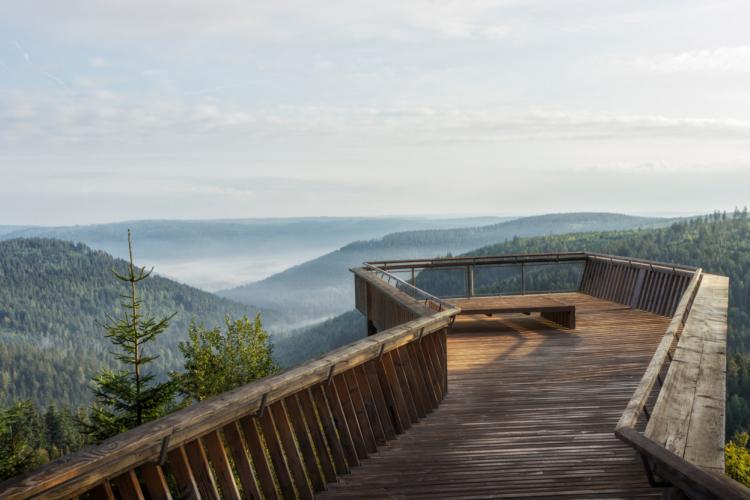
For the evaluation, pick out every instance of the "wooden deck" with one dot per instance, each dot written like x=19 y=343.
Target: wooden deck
x=530 y=412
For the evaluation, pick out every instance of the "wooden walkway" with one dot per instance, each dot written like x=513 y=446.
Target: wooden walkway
x=530 y=413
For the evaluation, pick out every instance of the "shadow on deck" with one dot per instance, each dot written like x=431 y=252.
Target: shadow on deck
x=530 y=412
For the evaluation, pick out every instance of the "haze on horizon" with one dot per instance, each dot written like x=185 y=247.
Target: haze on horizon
x=229 y=109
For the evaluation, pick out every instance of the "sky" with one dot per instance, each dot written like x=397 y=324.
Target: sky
x=118 y=110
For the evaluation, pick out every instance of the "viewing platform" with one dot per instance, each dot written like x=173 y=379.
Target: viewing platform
x=618 y=391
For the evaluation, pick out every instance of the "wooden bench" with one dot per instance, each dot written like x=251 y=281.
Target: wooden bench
x=550 y=308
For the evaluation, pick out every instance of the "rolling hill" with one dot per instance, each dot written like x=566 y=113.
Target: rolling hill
x=53 y=297
x=323 y=287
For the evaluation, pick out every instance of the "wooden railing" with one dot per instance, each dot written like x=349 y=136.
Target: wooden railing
x=650 y=286
x=284 y=436
x=667 y=290
x=665 y=468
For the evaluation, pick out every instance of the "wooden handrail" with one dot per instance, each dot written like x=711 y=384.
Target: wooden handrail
x=525 y=258
x=694 y=481
x=637 y=402
x=79 y=472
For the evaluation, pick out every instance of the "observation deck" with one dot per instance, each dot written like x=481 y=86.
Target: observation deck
x=625 y=401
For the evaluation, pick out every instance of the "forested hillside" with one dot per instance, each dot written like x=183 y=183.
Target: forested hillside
x=306 y=343
x=54 y=294
x=323 y=287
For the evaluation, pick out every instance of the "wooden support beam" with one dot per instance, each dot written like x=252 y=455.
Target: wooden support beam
x=371 y=408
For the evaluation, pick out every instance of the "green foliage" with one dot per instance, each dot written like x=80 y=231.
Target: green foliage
x=19 y=439
x=129 y=397
x=52 y=295
x=737 y=459
x=217 y=361
x=29 y=439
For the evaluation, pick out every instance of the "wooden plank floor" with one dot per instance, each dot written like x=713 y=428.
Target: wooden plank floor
x=530 y=413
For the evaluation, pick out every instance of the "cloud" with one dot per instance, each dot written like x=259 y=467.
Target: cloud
x=283 y=20
x=722 y=59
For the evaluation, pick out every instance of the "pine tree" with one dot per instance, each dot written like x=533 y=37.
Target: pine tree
x=129 y=397
x=20 y=439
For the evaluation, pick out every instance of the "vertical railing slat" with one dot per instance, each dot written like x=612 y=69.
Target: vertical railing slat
x=329 y=429
x=128 y=487
x=217 y=455
x=302 y=436
x=314 y=426
x=155 y=481
x=185 y=480
x=361 y=413
x=273 y=444
x=256 y=448
x=201 y=470
x=249 y=482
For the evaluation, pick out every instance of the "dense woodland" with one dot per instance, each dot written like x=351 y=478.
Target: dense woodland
x=54 y=296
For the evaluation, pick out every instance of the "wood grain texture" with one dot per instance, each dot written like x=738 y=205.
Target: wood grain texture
x=529 y=413
x=688 y=418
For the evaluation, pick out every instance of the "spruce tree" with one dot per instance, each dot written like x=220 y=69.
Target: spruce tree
x=130 y=396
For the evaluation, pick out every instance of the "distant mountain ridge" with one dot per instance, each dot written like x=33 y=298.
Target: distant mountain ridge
x=323 y=287
x=215 y=254
x=54 y=294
